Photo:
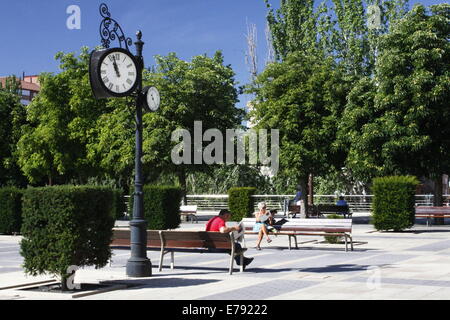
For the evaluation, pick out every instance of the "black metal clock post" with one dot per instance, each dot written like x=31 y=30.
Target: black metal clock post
x=138 y=265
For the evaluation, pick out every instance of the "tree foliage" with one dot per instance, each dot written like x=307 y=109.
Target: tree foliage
x=13 y=115
x=302 y=97
x=61 y=121
x=397 y=122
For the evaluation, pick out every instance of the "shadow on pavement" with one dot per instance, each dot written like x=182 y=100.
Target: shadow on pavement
x=157 y=282
x=339 y=268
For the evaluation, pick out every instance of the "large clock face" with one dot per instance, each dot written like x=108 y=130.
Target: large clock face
x=118 y=72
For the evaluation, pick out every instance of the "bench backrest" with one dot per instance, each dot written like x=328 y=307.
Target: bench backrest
x=432 y=210
x=294 y=225
x=190 y=208
x=178 y=239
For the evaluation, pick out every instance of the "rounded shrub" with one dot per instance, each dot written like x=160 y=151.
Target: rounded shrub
x=241 y=203
x=66 y=226
x=10 y=210
x=393 y=203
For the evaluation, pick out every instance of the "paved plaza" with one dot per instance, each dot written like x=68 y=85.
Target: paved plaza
x=384 y=265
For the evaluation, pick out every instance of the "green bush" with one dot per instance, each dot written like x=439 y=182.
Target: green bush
x=333 y=239
x=65 y=226
x=240 y=202
x=10 y=210
x=161 y=207
x=393 y=203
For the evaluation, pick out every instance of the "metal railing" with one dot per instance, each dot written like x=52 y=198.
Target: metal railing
x=357 y=203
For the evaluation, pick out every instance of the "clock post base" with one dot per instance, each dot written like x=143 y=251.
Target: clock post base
x=139 y=267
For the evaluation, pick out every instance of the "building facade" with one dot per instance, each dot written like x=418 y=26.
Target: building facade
x=29 y=86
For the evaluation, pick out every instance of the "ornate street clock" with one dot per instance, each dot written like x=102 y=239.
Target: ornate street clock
x=113 y=73
x=116 y=72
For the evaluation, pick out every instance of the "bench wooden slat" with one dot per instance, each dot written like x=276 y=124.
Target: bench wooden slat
x=432 y=212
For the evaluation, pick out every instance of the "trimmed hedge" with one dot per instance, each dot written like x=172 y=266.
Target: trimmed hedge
x=240 y=202
x=10 y=210
x=393 y=204
x=119 y=205
x=65 y=226
x=161 y=207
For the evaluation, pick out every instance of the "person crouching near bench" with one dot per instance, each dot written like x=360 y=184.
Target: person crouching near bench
x=261 y=225
x=218 y=224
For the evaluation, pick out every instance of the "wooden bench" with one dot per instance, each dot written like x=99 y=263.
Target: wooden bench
x=293 y=210
x=309 y=227
x=190 y=212
x=332 y=208
x=432 y=212
x=185 y=241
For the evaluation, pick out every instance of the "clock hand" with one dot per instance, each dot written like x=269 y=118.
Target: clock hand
x=116 y=68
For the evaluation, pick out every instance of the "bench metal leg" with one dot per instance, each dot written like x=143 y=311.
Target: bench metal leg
x=346 y=242
x=161 y=258
x=172 y=260
x=231 y=263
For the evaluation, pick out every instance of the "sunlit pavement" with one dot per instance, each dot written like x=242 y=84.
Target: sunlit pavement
x=384 y=265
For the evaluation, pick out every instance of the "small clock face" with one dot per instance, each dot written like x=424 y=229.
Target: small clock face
x=118 y=72
x=153 y=99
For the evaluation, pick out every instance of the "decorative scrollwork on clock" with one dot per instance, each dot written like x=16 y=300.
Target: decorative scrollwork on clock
x=110 y=30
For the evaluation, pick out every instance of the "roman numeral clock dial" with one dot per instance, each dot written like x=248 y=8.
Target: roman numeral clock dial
x=113 y=73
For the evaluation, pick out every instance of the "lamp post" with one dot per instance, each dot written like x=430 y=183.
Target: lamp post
x=112 y=74
x=138 y=265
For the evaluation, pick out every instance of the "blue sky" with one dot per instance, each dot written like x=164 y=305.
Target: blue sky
x=33 y=31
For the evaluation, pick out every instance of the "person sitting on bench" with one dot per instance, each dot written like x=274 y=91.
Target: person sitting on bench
x=261 y=225
x=218 y=224
x=343 y=203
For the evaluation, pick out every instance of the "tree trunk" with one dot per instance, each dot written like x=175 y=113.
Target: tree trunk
x=437 y=199
x=182 y=181
x=310 y=190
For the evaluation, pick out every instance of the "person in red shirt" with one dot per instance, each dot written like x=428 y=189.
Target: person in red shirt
x=218 y=224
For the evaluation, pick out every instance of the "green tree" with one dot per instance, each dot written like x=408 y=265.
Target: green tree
x=61 y=123
x=336 y=31
x=302 y=97
x=13 y=115
x=338 y=28
x=397 y=123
